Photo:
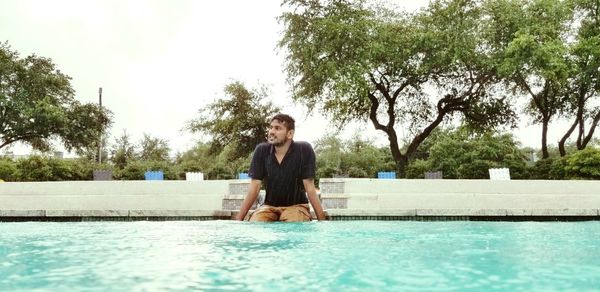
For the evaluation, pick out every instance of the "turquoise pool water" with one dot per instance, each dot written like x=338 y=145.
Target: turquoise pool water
x=334 y=256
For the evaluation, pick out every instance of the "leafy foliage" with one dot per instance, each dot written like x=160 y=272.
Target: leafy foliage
x=584 y=164
x=240 y=119
x=135 y=170
x=535 y=57
x=462 y=154
x=123 y=151
x=37 y=105
x=352 y=158
x=552 y=168
x=214 y=166
x=44 y=168
x=584 y=84
x=154 y=149
x=7 y=169
x=357 y=61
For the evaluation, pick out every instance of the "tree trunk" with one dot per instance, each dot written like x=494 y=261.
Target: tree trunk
x=401 y=165
x=590 y=133
x=393 y=138
x=563 y=140
x=544 y=139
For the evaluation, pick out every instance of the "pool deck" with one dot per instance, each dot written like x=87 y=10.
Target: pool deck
x=343 y=199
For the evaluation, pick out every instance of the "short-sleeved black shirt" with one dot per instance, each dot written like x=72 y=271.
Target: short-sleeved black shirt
x=283 y=182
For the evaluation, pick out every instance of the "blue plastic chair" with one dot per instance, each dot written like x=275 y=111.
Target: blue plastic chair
x=154 y=175
x=386 y=175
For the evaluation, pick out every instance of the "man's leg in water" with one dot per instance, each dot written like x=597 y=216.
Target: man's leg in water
x=295 y=213
x=265 y=213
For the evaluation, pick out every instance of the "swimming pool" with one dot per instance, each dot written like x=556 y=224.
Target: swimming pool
x=335 y=256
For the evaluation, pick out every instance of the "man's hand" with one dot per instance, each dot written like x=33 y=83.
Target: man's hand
x=250 y=198
x=311 y=191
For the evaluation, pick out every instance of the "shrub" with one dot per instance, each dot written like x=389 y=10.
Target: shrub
x=417 y=168
x=33 y=168
x=7 y=169
x=583 y=164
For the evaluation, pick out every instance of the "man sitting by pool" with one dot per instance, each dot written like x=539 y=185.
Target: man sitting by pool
x=287 y=169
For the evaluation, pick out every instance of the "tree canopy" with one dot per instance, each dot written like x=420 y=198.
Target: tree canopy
x=535 y=58
x=37 y=105
x=123 y=151
x=584 y=84
x=154 y=149
x=240 y=120
x=355 y=60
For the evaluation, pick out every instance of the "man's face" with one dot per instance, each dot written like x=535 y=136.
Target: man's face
x=279 y=134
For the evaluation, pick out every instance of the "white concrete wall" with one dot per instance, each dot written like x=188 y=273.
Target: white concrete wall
x=113 y=195
x=397 y=197
x=516 y=196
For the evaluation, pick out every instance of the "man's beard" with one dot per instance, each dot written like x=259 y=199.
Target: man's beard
x=277 y=144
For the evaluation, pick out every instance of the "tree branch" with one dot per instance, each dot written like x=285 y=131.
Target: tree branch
x=373 y=113
x=590 y=134
x=563 y=140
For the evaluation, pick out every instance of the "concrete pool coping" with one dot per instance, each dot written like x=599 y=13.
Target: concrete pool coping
x=343 y=199
x=333 y=214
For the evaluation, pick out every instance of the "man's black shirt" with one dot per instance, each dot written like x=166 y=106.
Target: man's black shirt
x=283 y=182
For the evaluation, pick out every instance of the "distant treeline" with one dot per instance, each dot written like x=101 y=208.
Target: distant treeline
x=457 y=153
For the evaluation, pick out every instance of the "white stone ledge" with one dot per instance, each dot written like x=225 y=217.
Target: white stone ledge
x=371 y=212
x=87 y=213
x=136 y=188
x=334 y=196
x=329 y=212
x=461 y=212
x=115 y=213
x=552 y=212
x=565 y=212
x=234 y=197
x=179 y=213
x=22 y=213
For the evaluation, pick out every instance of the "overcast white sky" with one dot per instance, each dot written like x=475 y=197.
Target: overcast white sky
x=159 y=62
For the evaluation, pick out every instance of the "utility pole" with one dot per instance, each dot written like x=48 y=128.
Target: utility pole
x=100 y=140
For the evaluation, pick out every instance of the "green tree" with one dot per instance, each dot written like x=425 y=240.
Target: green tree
x=123 y=151
x=82 y=169
x=583 y=89
x=213 y=165
x=37 y=105
x=329 y=153
x=584 y=164
x=535 y=59
x=418 y=168
x=196 y=159
x=355 y=157
x=7 y=169
x=467 y=155
x=33 y=168
x=132 y=170
x=363 y=159
x=550 y=168
x=358 y=61
x=91 y=153
x=44 y=168
x=136 y=169
x=239 y=119
x=154 y=149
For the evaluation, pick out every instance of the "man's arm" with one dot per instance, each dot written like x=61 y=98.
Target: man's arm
x=253 y=190
x=309 y=186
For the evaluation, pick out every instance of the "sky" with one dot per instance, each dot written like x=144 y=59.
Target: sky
x=160 y=62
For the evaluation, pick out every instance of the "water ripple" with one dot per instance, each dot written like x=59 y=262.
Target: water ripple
x=324 y=256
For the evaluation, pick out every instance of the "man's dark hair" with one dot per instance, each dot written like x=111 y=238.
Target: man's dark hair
x=288 y=121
